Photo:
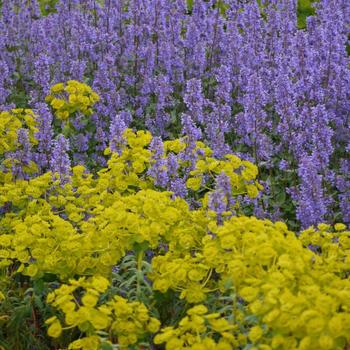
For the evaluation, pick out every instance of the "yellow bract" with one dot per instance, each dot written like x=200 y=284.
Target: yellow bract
x=73 y=96
x=10 y=122
x=242 y=175
x=128 y=321
x=190 y=333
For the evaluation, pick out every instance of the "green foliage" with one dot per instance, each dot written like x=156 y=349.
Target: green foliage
x=130 y=280
x=47 y=6
x=22 y=315
x=305 y=9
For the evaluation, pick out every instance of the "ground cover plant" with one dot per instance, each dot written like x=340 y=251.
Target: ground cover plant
x=174 y=174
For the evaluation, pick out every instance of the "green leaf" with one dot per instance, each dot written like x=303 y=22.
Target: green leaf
x=140 y=247
x=106 y=346
x=251 y=319
x=189 y=5
x=38 y=286
x=280 y=197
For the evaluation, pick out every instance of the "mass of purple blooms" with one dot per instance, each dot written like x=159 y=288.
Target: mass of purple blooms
x=241 y=77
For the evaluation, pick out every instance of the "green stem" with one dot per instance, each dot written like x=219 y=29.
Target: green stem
x=139 y=274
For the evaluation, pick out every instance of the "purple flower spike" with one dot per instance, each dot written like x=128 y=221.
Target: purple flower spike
x=60 y=161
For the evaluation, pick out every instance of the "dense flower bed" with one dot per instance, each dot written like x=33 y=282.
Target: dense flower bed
x=174 y=175
x=246 y=75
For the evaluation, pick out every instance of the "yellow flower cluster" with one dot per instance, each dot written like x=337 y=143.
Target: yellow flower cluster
x=10 y=122
x=301 y=297
x=242 y=175
x=71 y=97
x=126 y=171
x=199 y=330
x=44 y=242
x=126 y=321
x=135 y=158
x=181 y=274
x=87 y=225
x=332 y=247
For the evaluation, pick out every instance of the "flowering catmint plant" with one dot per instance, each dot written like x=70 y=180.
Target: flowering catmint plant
x=116 y=130
x=159 y=167
x=249 y=79
x=21 y=160
x=60 y=162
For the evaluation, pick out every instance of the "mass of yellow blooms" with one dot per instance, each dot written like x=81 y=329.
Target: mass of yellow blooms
x=241 y=282
x=127 y=321
x=10 y=122
x=66 y=99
